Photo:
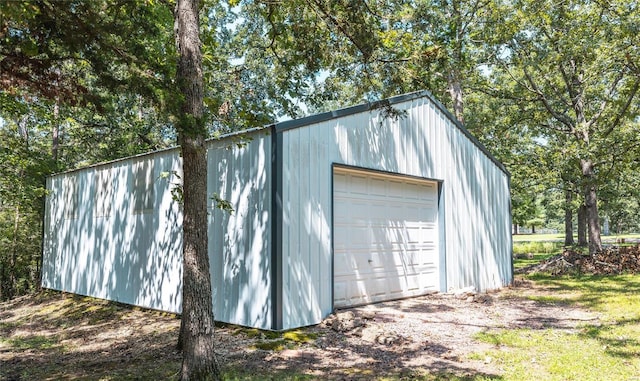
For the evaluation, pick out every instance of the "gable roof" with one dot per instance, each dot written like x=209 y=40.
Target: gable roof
x=326 y=116
x=371 y=106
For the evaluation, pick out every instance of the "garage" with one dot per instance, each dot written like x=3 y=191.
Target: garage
x=385 y=236
x=343 y=208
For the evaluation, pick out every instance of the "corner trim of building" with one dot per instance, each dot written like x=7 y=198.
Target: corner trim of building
x=442 y=237
x=276 y=230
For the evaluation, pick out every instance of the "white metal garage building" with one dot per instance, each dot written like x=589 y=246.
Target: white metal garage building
x=334 y=210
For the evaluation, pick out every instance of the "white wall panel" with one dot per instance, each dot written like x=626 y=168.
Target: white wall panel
x=116 y=252
x=423 y=143
x=239 y=243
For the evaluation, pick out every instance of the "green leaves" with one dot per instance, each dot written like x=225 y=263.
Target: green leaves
x=70 y=49
x=222 y=204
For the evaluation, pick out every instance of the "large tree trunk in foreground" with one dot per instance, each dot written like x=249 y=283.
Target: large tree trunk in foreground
x=196 y=330
x=568 y=218
x=591 y=203
x=199 y=362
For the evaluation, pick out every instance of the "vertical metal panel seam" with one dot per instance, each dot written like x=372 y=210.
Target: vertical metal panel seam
x=510 y=219
x=331 y=247
x=442 y=238
x=276 y=231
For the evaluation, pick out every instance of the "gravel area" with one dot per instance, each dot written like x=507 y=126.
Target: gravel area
x=432 y=333
x=62 y=336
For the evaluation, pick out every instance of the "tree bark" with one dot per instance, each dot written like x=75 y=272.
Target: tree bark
x=12 y=281
x=454 y=83
x=457 y=96
x=56 y=132
x=582 y=226
x=568 y=218
x=591 y=204
x=197 y=324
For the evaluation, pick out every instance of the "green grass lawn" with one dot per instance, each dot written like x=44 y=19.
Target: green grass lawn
x=560 y=237
x=608 y=349
x=532 y=252
x=537 y=237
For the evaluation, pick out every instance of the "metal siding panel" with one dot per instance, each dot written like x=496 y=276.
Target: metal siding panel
x=436 y=148
x=292 y=261
x=118 y=255
x=285 y=241
x=239 y=244
x=476 y=232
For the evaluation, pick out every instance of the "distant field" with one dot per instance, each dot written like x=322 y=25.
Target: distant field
x=560 y=237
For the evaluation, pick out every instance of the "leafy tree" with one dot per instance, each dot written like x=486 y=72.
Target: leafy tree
x=578 y=91
x=197 y=325
x=77 y=82
x=24 y=161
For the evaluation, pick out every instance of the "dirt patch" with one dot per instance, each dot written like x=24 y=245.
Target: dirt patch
x=430 y=334
x=58 y=336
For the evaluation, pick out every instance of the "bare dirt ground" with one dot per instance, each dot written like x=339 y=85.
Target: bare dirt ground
x=59 y=336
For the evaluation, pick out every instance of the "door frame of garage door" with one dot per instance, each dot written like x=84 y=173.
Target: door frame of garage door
x=442 y=267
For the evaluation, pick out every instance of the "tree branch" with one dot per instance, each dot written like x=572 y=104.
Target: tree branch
x=624 y=109
x=547 y=105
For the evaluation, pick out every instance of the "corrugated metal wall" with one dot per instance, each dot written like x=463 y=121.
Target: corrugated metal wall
x=424 y=143
x=111 y=236
x=239 y=244
x=113 y=231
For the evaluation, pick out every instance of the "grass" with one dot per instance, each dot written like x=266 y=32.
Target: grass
x=606 y=350
x=552 y=355
x=532 y=252
x=560 y=237
x=278 y=341
x=537 y=237
x=37 y=342
x=52 y=336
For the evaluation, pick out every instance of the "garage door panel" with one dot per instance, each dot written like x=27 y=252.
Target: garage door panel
x=385 y=237
x=377 y=187
x=351 y=237
x=358 y=185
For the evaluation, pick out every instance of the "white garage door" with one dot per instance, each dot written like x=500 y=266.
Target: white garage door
x=385 y=231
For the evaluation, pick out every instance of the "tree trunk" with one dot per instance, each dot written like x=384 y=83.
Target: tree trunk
x=582 y=226
x=533 y=229
x=568 y=218
x=591 y=205
x=55 y=133
x=454 y=82
x=11 y=268
x=515 y=229
x=457 y=96
x=197 y=324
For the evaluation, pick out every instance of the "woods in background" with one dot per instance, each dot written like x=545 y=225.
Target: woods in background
x=550 y=90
